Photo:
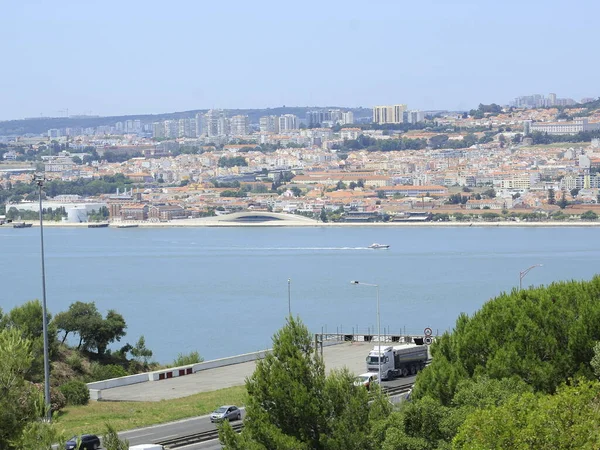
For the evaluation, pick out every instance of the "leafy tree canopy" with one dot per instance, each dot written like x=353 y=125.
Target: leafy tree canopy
x=293 y=405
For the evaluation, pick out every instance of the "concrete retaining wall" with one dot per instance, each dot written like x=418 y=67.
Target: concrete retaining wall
x=97 y=387
x=193 y=368
x=115 y=382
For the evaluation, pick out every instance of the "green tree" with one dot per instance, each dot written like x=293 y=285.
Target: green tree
x=563 y=202
x=595 y=362
x=140 y=351
x=40 y=435
x=20 y=402
x=551 y=197
x=111 y=329
x=111 y=440
x=323 y=215
x=502 y=140
x=589 y=215
x=340 y=185
x=297 y=191
x=292 y=405
x=81 y=318
x=567 y=420
x=27 y=318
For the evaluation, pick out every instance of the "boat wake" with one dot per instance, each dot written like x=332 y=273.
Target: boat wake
x=305 y=248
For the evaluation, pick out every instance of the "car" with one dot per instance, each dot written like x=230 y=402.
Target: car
x=227 y=412
x=86 y=441
x=366 y=379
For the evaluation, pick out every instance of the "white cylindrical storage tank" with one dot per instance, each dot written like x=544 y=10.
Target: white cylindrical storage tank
x=76 y=214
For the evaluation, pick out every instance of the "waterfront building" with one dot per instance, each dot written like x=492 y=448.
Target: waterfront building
x=568 y=127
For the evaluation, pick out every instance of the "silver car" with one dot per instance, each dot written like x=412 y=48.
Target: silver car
x=227 y=412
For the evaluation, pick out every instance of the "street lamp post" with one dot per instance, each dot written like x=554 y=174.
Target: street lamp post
x=39 y=179
x=525 y=272
x=290 y=296
x=376 y=286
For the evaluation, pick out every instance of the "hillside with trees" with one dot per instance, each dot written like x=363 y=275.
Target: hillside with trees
x=521 y=373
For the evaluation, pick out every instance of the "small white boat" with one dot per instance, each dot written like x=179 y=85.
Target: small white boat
x=377 y=246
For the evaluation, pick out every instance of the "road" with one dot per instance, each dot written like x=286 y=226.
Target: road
x=199 y=424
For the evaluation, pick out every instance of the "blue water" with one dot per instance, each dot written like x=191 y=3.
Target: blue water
x=224 y=291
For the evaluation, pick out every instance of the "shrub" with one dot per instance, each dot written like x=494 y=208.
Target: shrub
x=75 y=392
x=75 y=362
x=99 y=372
x=185 y=360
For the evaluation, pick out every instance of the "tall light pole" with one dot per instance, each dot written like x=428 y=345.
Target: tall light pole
x=290 y=296
x=39 y=179
x=525 y=272
x=376 y=286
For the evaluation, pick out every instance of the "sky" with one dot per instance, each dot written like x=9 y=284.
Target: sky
x=146 y=57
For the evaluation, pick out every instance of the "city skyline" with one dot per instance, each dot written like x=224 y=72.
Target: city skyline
x=127 y=59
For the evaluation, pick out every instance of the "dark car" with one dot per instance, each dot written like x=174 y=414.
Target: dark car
x=86 y=441
x=228 y=412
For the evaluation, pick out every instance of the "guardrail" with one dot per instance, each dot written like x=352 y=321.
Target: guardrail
x=197 y=437
x=209 y=435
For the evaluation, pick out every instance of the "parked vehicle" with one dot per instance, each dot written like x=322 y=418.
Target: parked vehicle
x=400 y=360
x=367 y=380
x=227 y=412
x=85 y=441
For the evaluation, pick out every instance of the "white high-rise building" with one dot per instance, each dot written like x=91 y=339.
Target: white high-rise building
x=414 y=116
x=347 y=117
x=212 y=121
x=389 y=114
x=239 y=125
x=158 y=130
x=171 y=128
x=187 y=128
x=269 y=124
x=200 y=124
x=288 y=122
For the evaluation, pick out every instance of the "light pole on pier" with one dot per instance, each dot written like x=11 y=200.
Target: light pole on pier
x=376 y=286
x=525 y=272
x=290 y=296
x=39 y=179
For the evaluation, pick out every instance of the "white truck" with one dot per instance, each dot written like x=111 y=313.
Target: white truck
x=399 y=360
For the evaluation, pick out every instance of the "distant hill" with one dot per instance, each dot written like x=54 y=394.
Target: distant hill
x=43 y=124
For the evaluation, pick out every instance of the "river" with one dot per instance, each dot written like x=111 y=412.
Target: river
x=224 y=291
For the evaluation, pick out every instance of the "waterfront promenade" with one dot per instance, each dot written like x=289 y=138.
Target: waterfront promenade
x=351 y=355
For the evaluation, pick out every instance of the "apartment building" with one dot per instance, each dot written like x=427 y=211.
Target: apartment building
x=239 y=125
x=389 y=114
x=269 y=124
x=288 y=122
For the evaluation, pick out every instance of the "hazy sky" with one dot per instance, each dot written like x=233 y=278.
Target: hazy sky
x=136 y=57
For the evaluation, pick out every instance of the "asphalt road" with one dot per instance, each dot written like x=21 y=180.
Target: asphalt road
x=199 y=424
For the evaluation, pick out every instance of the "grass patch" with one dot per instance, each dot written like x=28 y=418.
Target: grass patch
x=128 y=415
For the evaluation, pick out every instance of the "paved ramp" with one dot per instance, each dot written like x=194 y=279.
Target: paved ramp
x=351 y=355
